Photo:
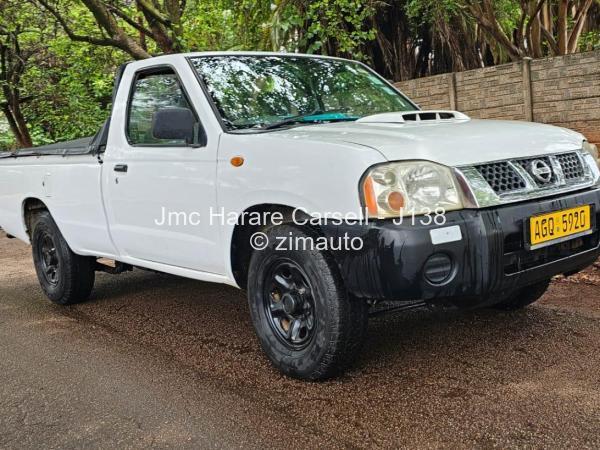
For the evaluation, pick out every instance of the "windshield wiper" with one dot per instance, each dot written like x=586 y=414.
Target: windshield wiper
x=302 y=118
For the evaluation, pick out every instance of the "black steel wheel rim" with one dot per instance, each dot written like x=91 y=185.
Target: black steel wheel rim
x=49 y=260
x=289 y=304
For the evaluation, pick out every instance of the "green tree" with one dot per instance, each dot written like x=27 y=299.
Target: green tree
x=58 y=57
x=15 y=52
x=52 y=88
x=519 y=28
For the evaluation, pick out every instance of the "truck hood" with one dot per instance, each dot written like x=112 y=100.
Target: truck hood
x=451 y=143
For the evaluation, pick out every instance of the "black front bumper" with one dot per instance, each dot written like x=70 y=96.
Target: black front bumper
x=492 y=257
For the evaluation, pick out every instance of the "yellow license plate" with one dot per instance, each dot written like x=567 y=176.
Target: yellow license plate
x=560 y=224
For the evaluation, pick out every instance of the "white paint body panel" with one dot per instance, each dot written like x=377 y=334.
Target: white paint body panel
x=177 y=179
x=315 y=167
x=74 y=199
x=449 y=143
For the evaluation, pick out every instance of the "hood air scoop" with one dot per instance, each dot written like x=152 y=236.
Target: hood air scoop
x=416 y=116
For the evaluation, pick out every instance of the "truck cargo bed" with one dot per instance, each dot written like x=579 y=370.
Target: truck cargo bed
x=76 y=147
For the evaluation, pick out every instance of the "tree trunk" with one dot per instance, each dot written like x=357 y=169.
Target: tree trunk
x=563 y=38
x=535 y=34
x=160 y=24
x=12 y=66
x=547 y=21
x=143 y=42
x=18 y=114
x=579 y=21
x=393 y=51
x=489 y=23
x=106 y=20
x=21 y=134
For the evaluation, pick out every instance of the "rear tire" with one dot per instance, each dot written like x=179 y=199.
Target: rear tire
x=65 y=278
x=305 y=321
x=523 y=297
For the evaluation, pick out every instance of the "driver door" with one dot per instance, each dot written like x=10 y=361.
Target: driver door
x=158 y=192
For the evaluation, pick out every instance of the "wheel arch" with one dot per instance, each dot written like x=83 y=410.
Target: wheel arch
x=31 y=207
x=240 y=250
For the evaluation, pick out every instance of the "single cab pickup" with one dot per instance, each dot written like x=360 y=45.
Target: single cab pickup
x=313 y=184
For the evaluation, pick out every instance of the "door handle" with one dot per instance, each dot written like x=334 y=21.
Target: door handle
x=120 y=168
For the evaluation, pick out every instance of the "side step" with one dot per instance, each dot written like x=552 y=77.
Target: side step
x=112 y=267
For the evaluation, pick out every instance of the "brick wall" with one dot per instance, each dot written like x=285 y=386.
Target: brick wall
x=563 y=91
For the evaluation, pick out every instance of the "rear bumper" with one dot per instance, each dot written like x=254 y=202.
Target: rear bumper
x=399 y=262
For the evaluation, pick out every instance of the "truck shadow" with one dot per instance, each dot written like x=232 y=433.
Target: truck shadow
x=201 y=317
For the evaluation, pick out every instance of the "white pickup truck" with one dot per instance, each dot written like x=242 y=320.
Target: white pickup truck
x=313 y=184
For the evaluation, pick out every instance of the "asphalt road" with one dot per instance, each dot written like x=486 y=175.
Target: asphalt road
x=158 y=361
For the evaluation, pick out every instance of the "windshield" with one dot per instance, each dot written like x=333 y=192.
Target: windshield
x=264 y=92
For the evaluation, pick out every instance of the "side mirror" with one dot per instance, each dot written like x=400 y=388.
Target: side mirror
x=174 y=124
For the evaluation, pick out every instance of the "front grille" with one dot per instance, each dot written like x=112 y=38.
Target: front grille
x=571 y=166
x=526 y=164
x=501 y=176
x=525 y=176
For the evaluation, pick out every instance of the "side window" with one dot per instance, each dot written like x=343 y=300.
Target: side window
x=151 y=93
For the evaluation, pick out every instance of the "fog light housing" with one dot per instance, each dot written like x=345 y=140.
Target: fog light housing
x=438 y=268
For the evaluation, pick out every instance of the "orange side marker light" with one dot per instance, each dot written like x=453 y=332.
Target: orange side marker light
x=237 y=161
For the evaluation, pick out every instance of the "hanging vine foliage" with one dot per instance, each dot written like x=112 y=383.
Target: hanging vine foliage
x=58 y=56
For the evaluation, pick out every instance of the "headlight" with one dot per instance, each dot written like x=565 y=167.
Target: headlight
x=407 y=188
x=592 y=150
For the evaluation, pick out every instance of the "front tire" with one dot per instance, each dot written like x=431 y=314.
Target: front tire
x=65 y=278
x=306 y=323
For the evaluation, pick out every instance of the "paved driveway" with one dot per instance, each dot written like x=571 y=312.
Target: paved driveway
x=158 y=361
